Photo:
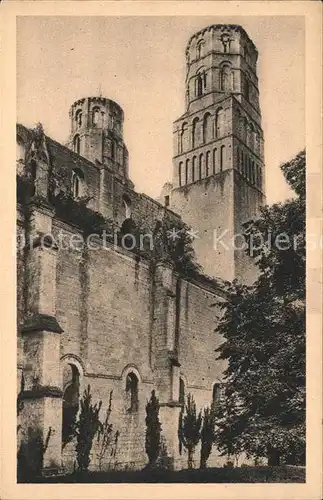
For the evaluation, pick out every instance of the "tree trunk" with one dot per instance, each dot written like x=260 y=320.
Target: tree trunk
x=190 y=459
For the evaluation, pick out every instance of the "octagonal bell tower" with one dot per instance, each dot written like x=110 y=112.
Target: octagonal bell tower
x=97 y=133
x=218 y=162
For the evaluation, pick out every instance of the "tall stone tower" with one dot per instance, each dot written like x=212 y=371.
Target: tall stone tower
x=97 y=133
x=218 y=163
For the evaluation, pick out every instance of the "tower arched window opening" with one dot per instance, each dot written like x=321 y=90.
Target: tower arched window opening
x=252 y=137
x=226 y=78
x=207 y=128
x=201 y=166
x=181 y=398
x=257 y=176
x=215 y=152
x=195 y=126
x=180 y=173
x=245 y=165
x=77 y=183
x=247 y=130
x=199 y=85
x=187 y=168
x=241 y=162
x=78 y=117
x=200 y=49
x=207 y=164
x=184 y=138
x=95 y=115
x=260 y=177
x=113 y=150
x=132 y=392
x=77 y=144
x=193 y=168
x=126 y=205
x=222 y=157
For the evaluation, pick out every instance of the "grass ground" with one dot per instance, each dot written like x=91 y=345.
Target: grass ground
x=281 y=474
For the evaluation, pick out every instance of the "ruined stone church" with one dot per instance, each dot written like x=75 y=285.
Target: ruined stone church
x=103 y=318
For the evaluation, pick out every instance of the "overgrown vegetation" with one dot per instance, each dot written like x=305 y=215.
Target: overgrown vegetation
x=263 y=412
x=107 y=440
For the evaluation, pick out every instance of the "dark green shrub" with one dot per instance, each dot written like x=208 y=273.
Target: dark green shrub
x=153 y=429
x=86 y=428
x=189 y=429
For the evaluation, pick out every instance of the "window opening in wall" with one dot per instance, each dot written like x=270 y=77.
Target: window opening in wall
x=217 y=393
x=70 y=401
x=167 y=201
x=183 y=138
x=222 y=157
x=180 y=173
x=193 y=168
x=77 y=144
x=181 y=398
x=200 y=49
x=214 y=159
x=187 y=166
x=201 y=166
x=207 y=164
x=226 y=78
x=194 y=132
x=77 y=182
x=95 y=115
x=199 y=85
x=132 y=391
x=126 y=205
x=78 y=118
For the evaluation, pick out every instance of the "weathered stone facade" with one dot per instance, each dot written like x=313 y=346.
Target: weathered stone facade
x=105 y=316
x=218 y=165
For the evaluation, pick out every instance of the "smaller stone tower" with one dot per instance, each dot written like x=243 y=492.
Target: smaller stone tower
x=97 y=133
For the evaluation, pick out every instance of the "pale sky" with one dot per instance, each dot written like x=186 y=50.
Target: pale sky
x=140 y=63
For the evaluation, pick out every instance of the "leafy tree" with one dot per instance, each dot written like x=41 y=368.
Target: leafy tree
x=153 y=430
x=263 y=412
x=207 y=434
x=189 y=428
x=86 y=428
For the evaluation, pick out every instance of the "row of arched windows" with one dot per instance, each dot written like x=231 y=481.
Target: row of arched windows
x=217 y=392
x=248 y=133
x=202 y=131
x=97 y=117
x=201 y=166
x=226 y=80
x=72 y=395
x=200 y=46
x=249 y=168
